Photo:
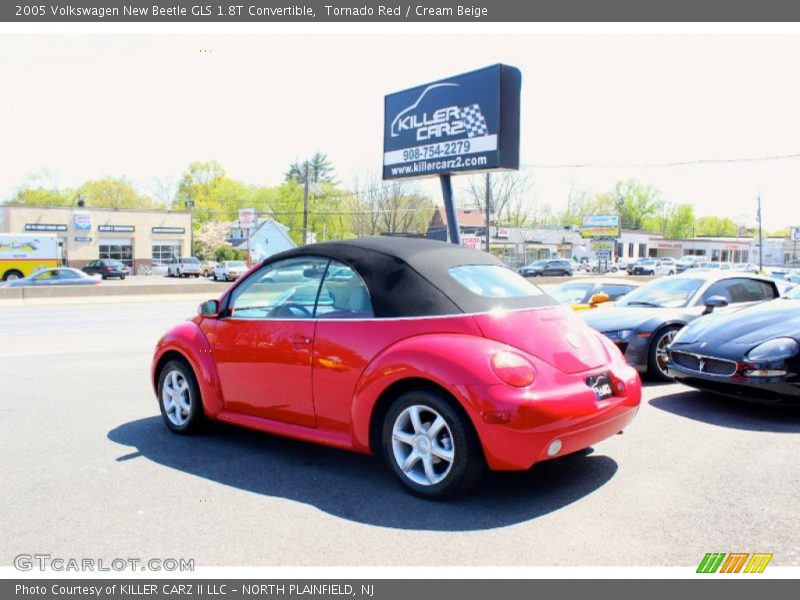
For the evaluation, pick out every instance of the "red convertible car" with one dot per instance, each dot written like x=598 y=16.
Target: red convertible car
x=437 y=357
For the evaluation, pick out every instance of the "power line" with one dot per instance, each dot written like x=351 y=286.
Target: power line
x=678 y=163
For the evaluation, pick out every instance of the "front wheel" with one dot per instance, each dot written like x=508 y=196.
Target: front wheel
x=179 y=398
x=430 y=446
x=657 y=355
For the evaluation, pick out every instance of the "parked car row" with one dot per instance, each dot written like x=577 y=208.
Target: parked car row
x=729 y=332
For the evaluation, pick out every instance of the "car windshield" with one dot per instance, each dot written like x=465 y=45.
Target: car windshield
x=491 y=281
x=191 y=260
x=236 y=263
x=674 y=292
x=537 y=263
x=794 y=293
x=571 y=293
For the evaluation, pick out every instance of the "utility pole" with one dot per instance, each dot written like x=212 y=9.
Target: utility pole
x=305 y=206
x=488 y=201
x=760 y=239
x=190 y=205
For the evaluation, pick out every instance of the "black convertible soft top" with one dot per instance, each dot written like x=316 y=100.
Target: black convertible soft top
x=409 y=277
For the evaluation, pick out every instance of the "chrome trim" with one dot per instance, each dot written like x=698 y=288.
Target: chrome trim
x=701 y=359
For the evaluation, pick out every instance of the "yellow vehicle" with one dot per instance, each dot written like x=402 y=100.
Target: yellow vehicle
x=584 y=294
x=23 y=254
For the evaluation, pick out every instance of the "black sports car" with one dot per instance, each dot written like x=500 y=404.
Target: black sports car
x=753 y=354
x=645 y=321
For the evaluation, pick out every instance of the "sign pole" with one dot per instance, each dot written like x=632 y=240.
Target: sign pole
x=760 y=239
x=248 y=248
x=450 y=210
x=488 y=200
x=305 y=205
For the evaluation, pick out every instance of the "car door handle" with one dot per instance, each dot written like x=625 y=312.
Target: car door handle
x=301 y=340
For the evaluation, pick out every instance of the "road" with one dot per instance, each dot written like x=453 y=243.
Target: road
x=88 y=470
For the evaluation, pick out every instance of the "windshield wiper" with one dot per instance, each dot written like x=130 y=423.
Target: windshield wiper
x=642 y=303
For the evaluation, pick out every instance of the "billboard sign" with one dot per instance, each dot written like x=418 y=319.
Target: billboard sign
x=795 y=234
x=247 y=218
x=464 y=123
x=600 y=226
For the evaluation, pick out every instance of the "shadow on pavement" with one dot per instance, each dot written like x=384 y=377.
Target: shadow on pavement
x=358 y=487
x=730 y=412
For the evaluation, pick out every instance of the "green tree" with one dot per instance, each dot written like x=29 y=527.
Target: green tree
x=634 y=202
x=320 y=170
x=716 y=226
x=681 y=222
x=112 y=193
x=44 y=197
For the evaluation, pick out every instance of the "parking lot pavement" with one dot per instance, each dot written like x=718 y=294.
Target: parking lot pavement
x=88 y=470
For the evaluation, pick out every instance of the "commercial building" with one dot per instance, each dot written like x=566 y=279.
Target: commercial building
x=136 y=237
x=638 y=244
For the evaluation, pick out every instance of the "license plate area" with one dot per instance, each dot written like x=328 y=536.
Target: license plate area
x=601 y=386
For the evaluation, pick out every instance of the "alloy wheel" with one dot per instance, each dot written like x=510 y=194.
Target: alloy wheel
x=422 y=445
x=176 y=398
x=661 y=350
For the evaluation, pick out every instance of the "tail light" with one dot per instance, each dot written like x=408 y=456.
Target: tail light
x=513 y=369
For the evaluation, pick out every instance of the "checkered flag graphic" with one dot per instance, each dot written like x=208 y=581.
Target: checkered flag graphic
x=474 y=121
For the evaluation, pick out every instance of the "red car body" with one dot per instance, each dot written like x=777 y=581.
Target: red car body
x=330 y=381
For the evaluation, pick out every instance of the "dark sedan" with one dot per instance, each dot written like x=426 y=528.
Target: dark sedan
x=107 y=267
x=553 y=266
x=645 y=321
x=753 y=354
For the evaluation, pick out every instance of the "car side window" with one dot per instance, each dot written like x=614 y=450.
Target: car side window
x=739 y=289
x=615 y=291
x=286 y=289
x=343 y=295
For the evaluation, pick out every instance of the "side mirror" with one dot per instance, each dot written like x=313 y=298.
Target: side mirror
x=209 y=308
x=714 y=302
x=599 y=298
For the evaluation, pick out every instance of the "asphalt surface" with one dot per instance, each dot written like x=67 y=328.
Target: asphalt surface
x=89 y=470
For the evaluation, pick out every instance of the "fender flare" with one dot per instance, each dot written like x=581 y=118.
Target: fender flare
x=424 y=357
x=189 y=341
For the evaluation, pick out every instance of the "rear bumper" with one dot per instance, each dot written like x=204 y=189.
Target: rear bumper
x=568 y=413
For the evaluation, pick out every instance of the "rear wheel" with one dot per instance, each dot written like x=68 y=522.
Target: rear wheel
x=12 y=275
x=657 y=355
x=179 y=398
x=430 y=446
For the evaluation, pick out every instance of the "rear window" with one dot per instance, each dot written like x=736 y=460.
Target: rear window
x=192 y=261
x=493 y=281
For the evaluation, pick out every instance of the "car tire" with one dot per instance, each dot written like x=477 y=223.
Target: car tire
x=122 y=277
x=651 y=273
x=12 y=275
x=656 y=354
x=672 y=272
x=436 y=466
x=179 y=398
x=215 y=277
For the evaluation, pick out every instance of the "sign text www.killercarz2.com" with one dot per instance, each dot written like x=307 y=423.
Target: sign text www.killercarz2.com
x=197 y=589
